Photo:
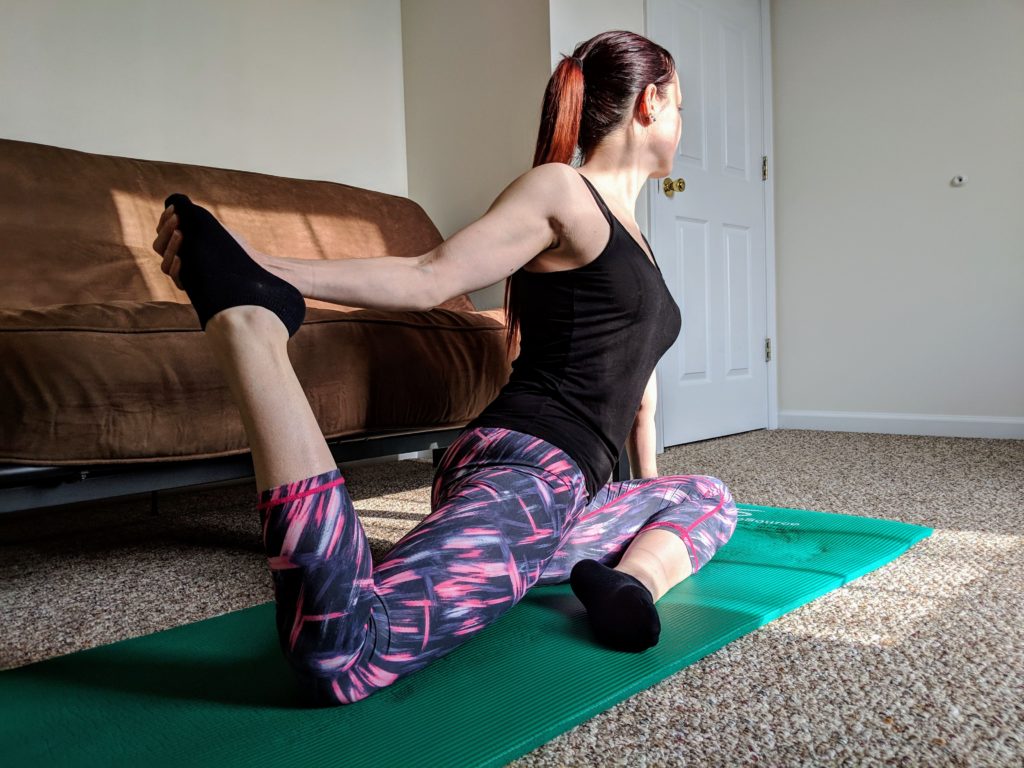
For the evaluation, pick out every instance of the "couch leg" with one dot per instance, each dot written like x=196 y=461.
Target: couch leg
x=154 y=506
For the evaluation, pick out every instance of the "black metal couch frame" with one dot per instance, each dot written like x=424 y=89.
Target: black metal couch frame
x=25 y=487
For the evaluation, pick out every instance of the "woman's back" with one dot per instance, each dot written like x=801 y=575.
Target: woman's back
x=590 y=337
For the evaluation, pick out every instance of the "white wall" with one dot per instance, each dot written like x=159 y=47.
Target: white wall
x=897 y=293
x=475 y=73
x=303 y=89
x=575 y=21
x=900 y=297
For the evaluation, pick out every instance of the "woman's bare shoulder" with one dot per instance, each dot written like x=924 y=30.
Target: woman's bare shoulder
x=557 y=179
x=580 y=229
x=563 y=191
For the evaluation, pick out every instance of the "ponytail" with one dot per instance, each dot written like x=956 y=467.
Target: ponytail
x=561 y=115
x=556 y=143
x=620 y=65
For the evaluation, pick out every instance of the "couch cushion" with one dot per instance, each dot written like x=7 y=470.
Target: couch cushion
x=78 y=228
x=123 y=381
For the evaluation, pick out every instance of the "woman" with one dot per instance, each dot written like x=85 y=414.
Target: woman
x=521 y=497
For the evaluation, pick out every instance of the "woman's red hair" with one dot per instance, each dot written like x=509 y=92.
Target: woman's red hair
x=580 y=111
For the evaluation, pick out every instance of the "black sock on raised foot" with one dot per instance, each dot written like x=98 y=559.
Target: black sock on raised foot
x=620 y=608
x=217 y=273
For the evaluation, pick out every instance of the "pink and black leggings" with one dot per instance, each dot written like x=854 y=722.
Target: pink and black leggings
x=509 y=512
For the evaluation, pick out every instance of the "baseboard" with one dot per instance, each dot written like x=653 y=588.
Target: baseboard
x=999 y=427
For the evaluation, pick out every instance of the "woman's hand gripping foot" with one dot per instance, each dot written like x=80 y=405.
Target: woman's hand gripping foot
x=216 y=272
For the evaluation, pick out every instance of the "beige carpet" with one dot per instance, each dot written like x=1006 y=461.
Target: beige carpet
x=918 y=663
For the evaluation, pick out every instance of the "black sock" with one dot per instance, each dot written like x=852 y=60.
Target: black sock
x=620 y=608
x=217 y=273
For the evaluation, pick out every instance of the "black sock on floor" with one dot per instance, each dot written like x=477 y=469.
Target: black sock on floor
x=620 y=608
x=217 y=273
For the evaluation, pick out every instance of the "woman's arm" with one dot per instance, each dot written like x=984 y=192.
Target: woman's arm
x=523 y=220
x=383 y=282
x=520 y=223
x=641 y=444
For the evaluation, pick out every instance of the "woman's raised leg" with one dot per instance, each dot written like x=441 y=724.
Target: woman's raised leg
x=328 y=614
x=250 y=344
x=320 y=562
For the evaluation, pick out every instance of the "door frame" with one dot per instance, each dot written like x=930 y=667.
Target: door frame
x=769 y=224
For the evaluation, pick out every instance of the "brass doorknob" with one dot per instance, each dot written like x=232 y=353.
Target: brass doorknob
x=671 y=187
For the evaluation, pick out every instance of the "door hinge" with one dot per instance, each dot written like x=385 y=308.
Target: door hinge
x=764 y=167
x=767 y=350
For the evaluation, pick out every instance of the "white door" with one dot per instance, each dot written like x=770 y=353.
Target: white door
x=710 y=239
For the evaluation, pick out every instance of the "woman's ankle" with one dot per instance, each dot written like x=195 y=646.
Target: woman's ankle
x=644 y=577
x=248 y=321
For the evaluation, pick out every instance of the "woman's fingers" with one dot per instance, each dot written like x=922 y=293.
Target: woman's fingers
x=168 y=212
x=170 y=251
x=168 y=242
x=164 y=235
x=171 y=255
x=175 y=269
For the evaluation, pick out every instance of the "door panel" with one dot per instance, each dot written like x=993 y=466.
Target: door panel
x=710 y=238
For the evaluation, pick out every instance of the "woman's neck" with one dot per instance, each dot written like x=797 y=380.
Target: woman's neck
x=619 y=185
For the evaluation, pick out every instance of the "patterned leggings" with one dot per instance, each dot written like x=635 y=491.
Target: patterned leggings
x=509 y=511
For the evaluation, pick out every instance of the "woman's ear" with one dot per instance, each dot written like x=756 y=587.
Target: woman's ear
x=650 y=100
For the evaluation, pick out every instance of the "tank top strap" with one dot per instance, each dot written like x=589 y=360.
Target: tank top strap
x=600 y=202
x=611 y=218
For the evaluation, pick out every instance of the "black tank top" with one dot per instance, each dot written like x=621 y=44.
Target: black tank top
x=589 y=339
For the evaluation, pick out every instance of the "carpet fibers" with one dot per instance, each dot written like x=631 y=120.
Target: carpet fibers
x=918 y=663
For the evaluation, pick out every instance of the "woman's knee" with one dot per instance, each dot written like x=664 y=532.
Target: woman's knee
x=716 y=502
x=707 y=487
x=317 y=690
x=335 y=681
x=717 y=492
x=711 y=487
x=327 y=692
x=336 y=659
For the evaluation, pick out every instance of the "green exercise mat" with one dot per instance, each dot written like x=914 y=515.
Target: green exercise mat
x=218 y=692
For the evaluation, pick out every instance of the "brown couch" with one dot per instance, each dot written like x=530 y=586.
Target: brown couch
x=106 y=368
